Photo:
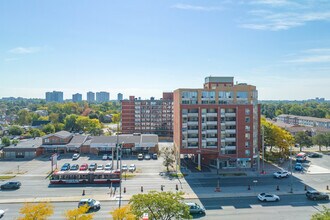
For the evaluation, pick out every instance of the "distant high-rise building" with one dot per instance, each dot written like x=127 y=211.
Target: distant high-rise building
x=55 y=96
x=90 y=97
x=102 y=97
x=148 y=116
x=77 y=97
x=119 y=97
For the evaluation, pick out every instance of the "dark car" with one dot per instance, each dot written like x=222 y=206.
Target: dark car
x=155 y=156
x=92 y=166
x=74 y=167
x=11 y=185
x=299 y=167
x=65 y=167
x=316 y=195
x=314 y=155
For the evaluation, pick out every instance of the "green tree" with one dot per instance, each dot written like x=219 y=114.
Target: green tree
x=5 y=141
x=303 y=140
x=322 y=215
x=78 y=214
x=34 y=132
x=168 y=154
x=39 y=211
x=123 y=213
x=48 y=128
x=24 y=117
x=70 y=122
x=58 y=127
x=160 y=205
x=16 y=130
x=320 y=140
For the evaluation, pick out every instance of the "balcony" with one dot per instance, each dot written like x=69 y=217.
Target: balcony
x=230 y=114
x=212 y=131
x=230 y=123
x=230 y=131
x=223 y=124
x=192 y=139
x=211 y=114
x=211 y=139
x=192 y=131
x=211 y=123
x=192 y=114
x=192 y=122
x=230 y=148
x=212 y=146
x=232 y=139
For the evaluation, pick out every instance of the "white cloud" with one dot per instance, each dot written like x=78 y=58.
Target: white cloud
x=287 y=14
x=316 y=55
x=25 y=50
x=196 y=7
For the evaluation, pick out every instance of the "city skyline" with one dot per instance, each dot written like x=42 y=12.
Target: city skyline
x=147 y=48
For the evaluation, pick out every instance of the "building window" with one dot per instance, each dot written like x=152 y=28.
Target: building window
x=46 y=140
x=247 y=119
x=247 y=144
x=247 y=111
x=241 y=95
x=247 y=136
x=247 y=128
x=247 y=152
x=225 y=95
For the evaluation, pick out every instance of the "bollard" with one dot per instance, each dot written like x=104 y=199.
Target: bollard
x=124 y=189
x=162 y=187
x=305 y=188
x=277 y=187
x=249 y=187
x=176 y=187
x=327 y=187
x=141 y=188
x=83 y=193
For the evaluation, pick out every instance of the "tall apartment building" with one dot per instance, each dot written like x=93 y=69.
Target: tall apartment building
x=55 y=96
x=219 y=124
x=148 y=116
x=77 y=97
x=90 y=97
x=119 y=97
x=102 y=97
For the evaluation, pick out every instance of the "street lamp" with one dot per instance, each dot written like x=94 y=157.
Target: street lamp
x=120 y=172
x=289 y=145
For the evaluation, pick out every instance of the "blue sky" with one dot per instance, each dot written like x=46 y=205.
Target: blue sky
x=143 y=48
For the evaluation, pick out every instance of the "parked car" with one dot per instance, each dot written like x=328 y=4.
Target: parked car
x=194 y=208
x=92 y=166
x=100 y=167
x=11 y=185
x=74 y=167
x=104 y=157
x=140 y=156
x=2 y=213
x=83 y=166
x=155 y=156
x=298 y=167
x=316 y=195
x=65 y=167
x=147 y=157
x=91 y=204
x=132 y=168
x=265 y=197
x=314 y=155
x=281 y=174
x=124 y=167
x=110 y=156
x=75 y=156
x=301 y=157
x=108 y=166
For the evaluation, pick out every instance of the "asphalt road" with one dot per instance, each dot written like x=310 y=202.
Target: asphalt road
x=226 y=208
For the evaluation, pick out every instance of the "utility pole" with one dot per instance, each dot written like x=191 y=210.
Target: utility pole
x=263 y=149
x=291 y=190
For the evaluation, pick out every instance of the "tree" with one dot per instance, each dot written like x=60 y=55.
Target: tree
x=48 y=128
x=322 y=215
x=39 y=211
x=5 y=141
x=16 y=130
x=168 y=155
x=123 y=213
x=320 y=140
x=24 y=117
x=78 y=214
x=303 y=139
x=70 y=122
x=160 y=205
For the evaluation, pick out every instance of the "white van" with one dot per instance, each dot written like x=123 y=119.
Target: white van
x=301 y=157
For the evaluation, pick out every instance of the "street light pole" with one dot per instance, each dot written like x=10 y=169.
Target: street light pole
x=263 y=150
x=120 y=173
x=291 y=190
